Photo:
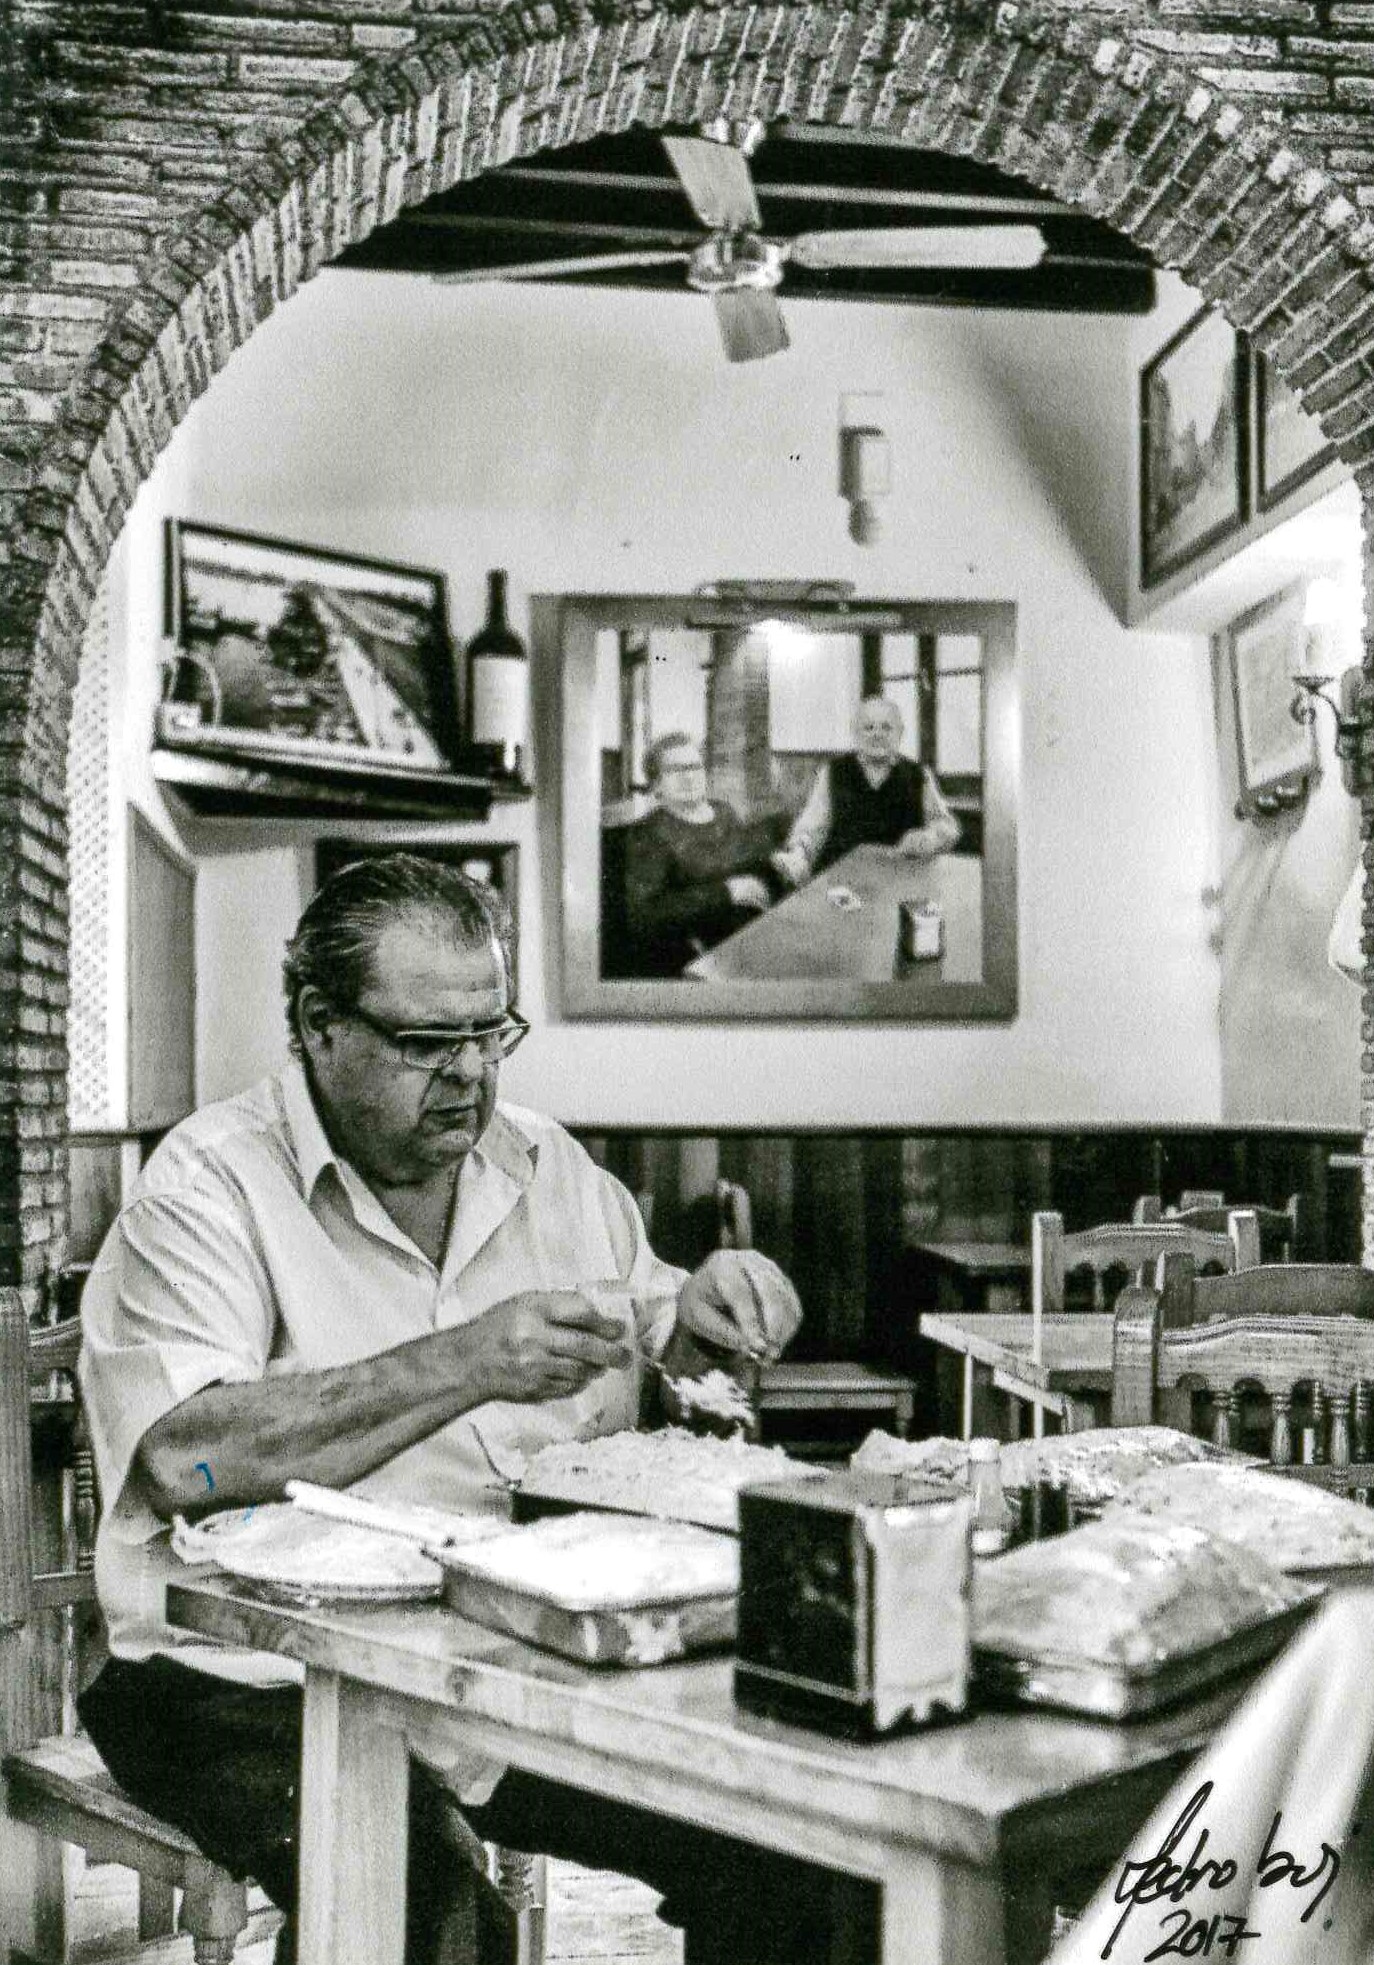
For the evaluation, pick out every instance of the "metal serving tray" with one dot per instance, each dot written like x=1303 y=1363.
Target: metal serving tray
x=1075 y=1685
x=649 y=1591
x=649 y=1635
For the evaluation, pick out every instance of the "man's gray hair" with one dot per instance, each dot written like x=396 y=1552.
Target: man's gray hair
x=893 y=709
x=335 y=944
x=671 y=740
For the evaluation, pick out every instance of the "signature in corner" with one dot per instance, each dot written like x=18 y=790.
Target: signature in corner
x=1170 y=1877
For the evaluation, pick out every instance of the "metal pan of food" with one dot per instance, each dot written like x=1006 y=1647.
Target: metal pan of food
x=601 y=1589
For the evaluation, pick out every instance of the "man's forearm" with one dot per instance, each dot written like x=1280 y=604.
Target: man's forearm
x=332 y=1427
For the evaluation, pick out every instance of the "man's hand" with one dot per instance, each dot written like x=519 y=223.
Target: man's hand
x=739 y=1302
x=747 y=890
x=792 y=865
x=545 y=1344
x=918 y=844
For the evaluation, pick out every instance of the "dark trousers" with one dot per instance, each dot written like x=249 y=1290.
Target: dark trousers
x=222 y=1762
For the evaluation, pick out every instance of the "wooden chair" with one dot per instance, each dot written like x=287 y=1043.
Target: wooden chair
x=1128 y=1248
x=808 y=1385
x=58 y=1787
x=1272 y=1329
x=1278 y=1227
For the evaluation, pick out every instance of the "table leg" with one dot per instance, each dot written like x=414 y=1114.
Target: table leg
x=968 y=1395
x=354 y=1785
x=939 y=1912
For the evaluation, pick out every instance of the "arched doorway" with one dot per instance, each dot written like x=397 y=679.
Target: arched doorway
x=1118 y=129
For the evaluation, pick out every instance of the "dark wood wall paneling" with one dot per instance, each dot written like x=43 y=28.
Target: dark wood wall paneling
x=845 y=1213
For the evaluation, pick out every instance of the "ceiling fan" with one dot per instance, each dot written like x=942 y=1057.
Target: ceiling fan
x=739 y=268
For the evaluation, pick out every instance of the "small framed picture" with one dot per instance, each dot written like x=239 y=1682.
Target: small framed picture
x=1289 y=444
x=1193 y=445
x=297 y=656
x=496 y=862
x=1277 y=756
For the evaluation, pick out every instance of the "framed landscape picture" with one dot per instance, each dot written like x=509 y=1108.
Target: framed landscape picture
x=293 y=655
x=1193 y=461
x=1276 y=755
x=1290 y=446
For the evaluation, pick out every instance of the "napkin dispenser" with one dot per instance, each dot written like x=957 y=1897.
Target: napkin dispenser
x=854 y=1606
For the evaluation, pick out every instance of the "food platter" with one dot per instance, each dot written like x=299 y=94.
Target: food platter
x=668 y=1475
x=1128 y=1615
x=601 y=1589
x=1301 y=1529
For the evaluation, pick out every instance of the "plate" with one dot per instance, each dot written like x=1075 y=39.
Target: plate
x=300 y=1558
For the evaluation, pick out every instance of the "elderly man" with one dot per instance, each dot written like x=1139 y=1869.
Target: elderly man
x=365 y=1271
x=872 y=797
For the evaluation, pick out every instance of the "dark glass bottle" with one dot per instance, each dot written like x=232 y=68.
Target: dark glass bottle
x=498 y=694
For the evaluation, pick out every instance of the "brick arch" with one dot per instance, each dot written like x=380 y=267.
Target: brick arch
x=1104 y=123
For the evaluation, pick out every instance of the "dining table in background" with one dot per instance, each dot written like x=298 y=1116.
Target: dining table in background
x=1071 y=1377
x=968 y=1827
x=808 y=937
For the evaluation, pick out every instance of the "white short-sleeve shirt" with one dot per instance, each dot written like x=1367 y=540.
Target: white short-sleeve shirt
x=249 y=1249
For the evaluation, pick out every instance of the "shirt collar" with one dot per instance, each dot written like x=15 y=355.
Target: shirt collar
x=505 y=1144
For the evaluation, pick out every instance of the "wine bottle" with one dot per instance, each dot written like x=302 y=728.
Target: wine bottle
x=498 y=695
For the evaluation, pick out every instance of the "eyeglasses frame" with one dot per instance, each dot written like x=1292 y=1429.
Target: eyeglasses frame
x=512 y=1027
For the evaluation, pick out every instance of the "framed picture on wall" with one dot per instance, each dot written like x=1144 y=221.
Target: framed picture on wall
x=697 y=737
x=1276 y=755
x=296 y=656
x=1193 y=436
x=496 y=862
x=162 y=978
x=1290 y=448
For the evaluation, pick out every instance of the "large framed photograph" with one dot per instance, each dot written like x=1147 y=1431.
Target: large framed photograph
x=1290 y=447
x=1193 y=461
x=494 y=862
x=296 y=656
x=1277 y=756
x=776 y=808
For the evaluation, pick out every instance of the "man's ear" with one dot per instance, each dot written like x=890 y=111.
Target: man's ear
x=315 y=1018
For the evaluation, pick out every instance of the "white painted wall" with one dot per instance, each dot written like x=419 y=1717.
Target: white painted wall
x=598 y=442
x=1289 y=1026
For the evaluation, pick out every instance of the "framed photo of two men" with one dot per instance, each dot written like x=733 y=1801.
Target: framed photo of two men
x=784 y=802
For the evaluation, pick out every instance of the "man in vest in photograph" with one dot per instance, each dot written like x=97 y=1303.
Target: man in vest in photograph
x=872 y=796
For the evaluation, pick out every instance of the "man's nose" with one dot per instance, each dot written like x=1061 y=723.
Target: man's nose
x=466 y=1064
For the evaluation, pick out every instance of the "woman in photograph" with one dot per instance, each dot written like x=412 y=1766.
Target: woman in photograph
x=694 y=870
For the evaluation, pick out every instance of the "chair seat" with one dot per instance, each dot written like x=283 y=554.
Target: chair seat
x=837 y=1387
x=63 y=1788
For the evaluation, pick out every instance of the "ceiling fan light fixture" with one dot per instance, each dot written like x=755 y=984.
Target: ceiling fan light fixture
x=728 y=261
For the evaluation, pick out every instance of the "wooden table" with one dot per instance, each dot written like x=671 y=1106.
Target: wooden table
x=964 y=1825
x=978 y=1275
x=1075 y=1358
x=807 y=938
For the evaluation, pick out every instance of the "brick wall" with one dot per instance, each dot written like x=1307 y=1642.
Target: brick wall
x=169 y=174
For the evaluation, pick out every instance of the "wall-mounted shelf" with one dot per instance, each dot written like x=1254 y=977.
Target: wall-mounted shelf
x=225 y=786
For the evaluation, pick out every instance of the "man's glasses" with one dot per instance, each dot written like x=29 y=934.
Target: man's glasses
x=439 y=1050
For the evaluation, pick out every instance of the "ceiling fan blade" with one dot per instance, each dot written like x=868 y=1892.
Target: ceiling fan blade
x=751 y=323
x=560 y=269
x=927 y=245
x=716 y=178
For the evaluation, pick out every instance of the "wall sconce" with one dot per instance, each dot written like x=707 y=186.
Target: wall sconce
x=1347 y=714
x=865 y=465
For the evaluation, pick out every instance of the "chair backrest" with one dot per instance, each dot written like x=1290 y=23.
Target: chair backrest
x=32 y=1509
x=1278 y=1227
x=1130 y=1247
x=1271 y=1329
x=734 y=1216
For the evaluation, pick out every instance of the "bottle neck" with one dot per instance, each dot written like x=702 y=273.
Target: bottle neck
x=496 y=600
